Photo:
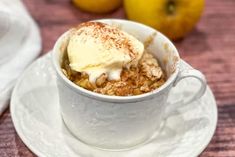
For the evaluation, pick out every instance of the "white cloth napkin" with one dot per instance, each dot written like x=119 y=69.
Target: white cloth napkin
x=20 y=44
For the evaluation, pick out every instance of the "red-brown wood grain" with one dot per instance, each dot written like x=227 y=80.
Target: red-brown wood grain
x=209 y=48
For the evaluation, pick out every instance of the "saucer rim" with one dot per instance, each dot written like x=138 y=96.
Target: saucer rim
x=41 y=154
x=12 y=108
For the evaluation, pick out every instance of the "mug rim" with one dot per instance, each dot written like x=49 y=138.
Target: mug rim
x=109 y=98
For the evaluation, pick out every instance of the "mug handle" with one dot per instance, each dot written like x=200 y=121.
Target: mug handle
x=187 y=73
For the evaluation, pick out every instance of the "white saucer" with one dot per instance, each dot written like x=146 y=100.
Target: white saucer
x=36 y=116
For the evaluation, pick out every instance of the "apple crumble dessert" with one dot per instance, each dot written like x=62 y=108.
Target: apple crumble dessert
x=106 y=60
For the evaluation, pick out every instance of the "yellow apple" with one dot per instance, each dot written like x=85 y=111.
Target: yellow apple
x=97 y=6
x=174 y=18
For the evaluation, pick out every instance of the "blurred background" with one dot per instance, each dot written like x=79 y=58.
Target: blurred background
x=203 y=32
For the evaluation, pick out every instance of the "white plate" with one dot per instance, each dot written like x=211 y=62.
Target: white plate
x=36 y=117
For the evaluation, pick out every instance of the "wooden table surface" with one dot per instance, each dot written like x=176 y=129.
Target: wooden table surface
x=209 y=48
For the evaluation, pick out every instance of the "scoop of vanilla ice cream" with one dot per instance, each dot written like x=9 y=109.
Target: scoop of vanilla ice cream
x=96 y=48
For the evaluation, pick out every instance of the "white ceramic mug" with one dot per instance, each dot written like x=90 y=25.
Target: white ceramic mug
x=120 y=122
